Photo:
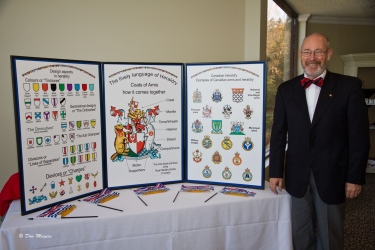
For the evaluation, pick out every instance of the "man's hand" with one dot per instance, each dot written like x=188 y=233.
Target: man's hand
x=276 y=182
x=352 y=190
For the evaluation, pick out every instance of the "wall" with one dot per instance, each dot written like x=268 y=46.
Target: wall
x=345 y=39
x=121 y=31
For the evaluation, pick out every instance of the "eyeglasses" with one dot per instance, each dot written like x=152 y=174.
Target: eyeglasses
x=317 y=53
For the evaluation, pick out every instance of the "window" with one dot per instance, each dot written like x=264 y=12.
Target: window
x=280 y=55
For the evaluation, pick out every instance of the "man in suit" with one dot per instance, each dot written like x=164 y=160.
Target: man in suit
x=323 y=117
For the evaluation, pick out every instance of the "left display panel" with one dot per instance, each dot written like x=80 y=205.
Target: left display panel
x=59 y=134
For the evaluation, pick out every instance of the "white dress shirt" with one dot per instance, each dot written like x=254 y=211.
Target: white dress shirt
x=312 y=95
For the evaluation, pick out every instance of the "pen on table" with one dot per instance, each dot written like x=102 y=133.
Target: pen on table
x=108 y=207
x=176 y=196
x=70 y=217
x=141 y=200
x=213 y=195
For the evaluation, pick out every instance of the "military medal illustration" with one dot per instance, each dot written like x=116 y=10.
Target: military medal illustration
x=248 y=112
x=197 y=156
x=216 y=96
x=247 y=175
x=207 y=142
x=247 y=144
x=237 y=159
x=227 y=174
x=216 y=158
x=207 y=172
x=226 y=143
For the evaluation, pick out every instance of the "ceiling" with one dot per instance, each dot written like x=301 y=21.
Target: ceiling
x=356 y=9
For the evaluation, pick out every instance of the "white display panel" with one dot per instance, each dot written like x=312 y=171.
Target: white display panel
x=59 y=134
x=144 y=123
x=225 y=123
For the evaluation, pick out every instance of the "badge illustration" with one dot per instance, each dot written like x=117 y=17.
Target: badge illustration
x=248 y=112
x=207 y=111
x=207 y=172
x=30 y=142
x=247 y=175
x=27 y=102
x=216 y=96
x=33 y=189
x=197 y=126
x=26 y=87
x=217 y=126
x=197 y=156
x=45 y=102
x=197 y=96
x=36 y=87
x=37 y=102
x=207 y=142
x=38 y=116
x=227 y=111
x=227 y=174
x=53 y=194
x=237 y=159
x=226 y=143
x=237 y=94
x=247 y=144
x=237 y=128
x=216 y=158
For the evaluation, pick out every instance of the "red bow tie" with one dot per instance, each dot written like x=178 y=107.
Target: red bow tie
x=306 y=82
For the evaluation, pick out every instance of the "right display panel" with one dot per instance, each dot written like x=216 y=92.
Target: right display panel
x=225 y=114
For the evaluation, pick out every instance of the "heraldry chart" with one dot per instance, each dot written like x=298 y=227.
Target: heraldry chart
x=57 y=106
x=143 y=113
x=225 y=123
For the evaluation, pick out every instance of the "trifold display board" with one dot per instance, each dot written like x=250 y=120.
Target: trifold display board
x=83 y=126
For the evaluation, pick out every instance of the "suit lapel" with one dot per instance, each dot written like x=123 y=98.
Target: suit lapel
x=326 y=96
x=299 y=98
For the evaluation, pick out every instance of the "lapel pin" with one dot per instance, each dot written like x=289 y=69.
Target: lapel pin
x=330 y=95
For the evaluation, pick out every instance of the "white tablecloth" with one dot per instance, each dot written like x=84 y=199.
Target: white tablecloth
x=224 y=222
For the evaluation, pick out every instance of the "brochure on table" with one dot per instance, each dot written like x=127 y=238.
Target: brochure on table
x=225 y=123
x=84 y=126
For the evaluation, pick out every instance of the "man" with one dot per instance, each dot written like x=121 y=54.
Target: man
x=326 y=125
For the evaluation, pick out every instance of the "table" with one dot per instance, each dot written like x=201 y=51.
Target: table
x=224 y=222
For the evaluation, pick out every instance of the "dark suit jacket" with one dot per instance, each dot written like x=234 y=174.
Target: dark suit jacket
x=334 y=146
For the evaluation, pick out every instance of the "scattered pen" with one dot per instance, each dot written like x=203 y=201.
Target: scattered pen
x=70 y=217
x=211 y=197
x=108 y=207
x=141 y=200
x=176 y=196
